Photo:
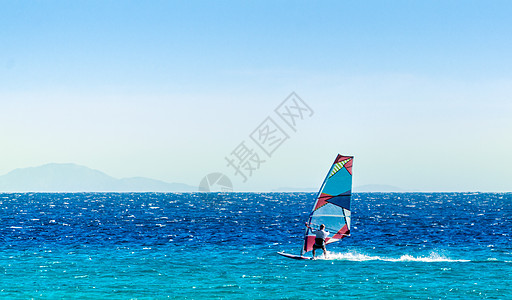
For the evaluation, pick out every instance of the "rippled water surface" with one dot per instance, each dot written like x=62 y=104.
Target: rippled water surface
x=198 y=245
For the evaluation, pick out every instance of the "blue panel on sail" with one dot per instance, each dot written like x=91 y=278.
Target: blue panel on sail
x=339 y=183
x=341 y=200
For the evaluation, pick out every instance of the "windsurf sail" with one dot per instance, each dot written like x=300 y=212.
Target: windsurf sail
x=332 y=205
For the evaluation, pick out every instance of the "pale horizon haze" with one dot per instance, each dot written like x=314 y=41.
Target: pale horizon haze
x=420 y=92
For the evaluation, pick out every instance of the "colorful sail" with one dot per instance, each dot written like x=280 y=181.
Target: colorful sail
x=332 y=206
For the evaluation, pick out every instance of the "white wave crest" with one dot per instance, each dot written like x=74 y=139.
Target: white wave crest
x=354 y=256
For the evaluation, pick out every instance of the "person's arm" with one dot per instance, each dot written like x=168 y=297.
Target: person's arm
x=312 y=230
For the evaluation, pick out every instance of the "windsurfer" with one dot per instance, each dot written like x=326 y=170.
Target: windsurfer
x=321 y=235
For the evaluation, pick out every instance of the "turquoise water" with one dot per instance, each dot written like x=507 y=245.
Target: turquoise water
x=156 y=246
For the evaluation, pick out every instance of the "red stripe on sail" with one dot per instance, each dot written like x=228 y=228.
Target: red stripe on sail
x=310 y=241
x=322 y=200
x=344 y=231
x=348 y=165
x=341 y=158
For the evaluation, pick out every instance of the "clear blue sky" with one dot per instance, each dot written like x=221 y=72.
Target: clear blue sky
x=419 y=91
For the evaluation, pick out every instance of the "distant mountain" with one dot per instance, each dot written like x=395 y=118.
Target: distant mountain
x=74 y=178
x=377 y=188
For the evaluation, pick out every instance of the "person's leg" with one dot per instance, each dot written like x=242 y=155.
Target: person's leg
x=325 y=251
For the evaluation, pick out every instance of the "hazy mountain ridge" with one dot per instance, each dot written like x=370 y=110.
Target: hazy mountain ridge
x=69 y=177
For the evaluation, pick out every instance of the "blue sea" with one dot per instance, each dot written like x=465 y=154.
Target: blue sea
x=223 y=245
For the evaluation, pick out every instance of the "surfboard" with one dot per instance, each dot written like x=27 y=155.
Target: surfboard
x=293 y=256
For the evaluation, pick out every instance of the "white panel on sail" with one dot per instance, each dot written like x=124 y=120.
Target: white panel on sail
x=347 y=217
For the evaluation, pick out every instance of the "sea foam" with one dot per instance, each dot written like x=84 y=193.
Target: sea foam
x=355 y=256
